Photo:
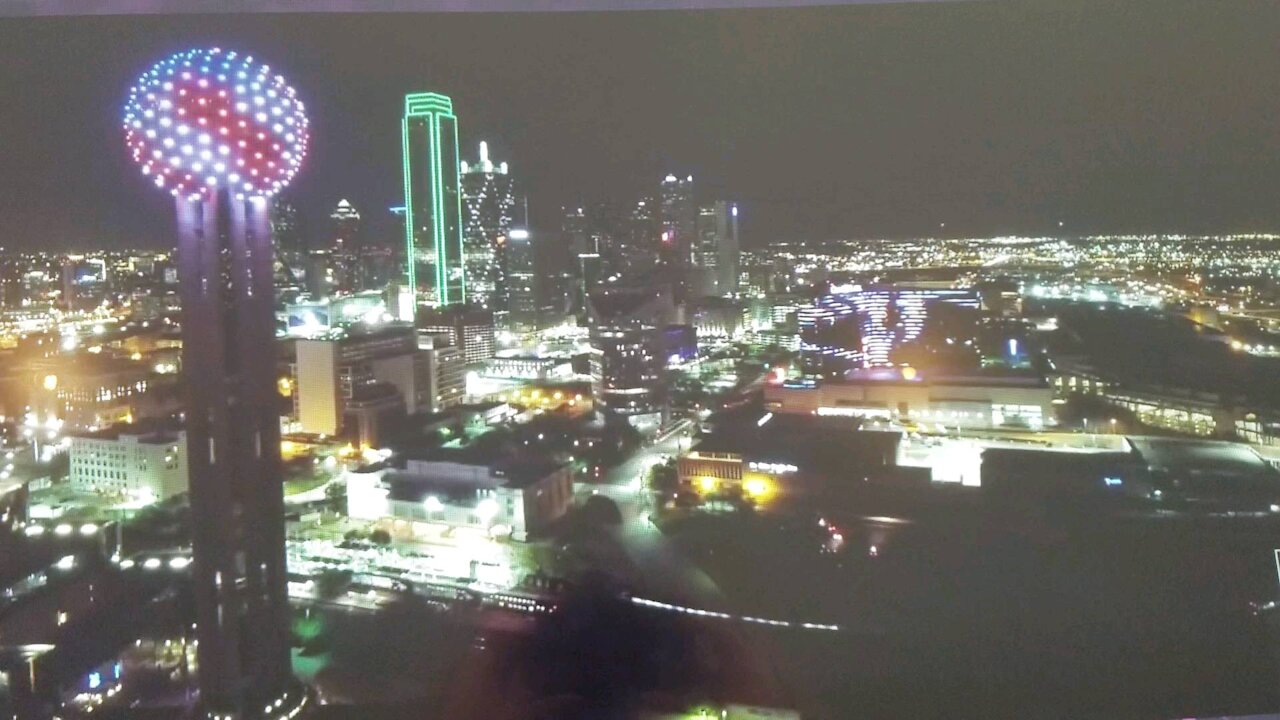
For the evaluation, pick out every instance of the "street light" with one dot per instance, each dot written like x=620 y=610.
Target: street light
x=432 y=505
x=486 y=510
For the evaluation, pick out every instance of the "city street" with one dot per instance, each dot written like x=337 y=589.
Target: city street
x=665 y=572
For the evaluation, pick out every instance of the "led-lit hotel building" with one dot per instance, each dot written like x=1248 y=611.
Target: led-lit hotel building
x=883 y=319
x=433 y=205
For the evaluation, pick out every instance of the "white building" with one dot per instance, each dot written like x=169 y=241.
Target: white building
x=143 y=467
x=520 y=365
x=514 y=498
x=446 y=371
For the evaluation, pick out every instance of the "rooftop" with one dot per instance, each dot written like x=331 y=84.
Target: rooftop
x=405 y=485
x=894 y=375
x=152 y=432
x=821 y=442
x=515 y=470
x=1200 y=461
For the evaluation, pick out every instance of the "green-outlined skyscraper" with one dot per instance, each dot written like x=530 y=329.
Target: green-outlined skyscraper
x=433 y=205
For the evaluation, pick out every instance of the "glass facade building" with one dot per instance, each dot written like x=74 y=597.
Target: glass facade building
x=433 y=205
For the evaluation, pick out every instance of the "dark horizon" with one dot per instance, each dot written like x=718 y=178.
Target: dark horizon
x=881 y=121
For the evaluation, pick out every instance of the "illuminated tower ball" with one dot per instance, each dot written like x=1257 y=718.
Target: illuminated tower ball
x=208 y=119
x=221 y=133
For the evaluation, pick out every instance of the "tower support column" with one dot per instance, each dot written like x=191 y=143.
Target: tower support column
x=233 y=450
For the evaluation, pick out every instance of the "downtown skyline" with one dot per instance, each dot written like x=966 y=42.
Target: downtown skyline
x=905 y=361
x=887 y=120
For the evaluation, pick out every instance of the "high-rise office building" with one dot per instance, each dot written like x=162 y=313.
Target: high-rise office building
x=556 y=293
x=520 y=268
x=584 y=245
x=468 y=329
x=678 y=221
x=318 y=268
x=330 y=373
x=626 y=324
x=346 y=224
x=639 y=237
x=573 y=226
x=345 y=247
x=716 y=254
x=489 y=209
x=284 y=226
x=434 y=250
x=448 y=369
x=607 y=226
x=225 y=258
x=626 y=366
x=290 y=249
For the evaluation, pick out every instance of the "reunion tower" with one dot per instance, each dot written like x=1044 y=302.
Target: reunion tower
x=222 y=133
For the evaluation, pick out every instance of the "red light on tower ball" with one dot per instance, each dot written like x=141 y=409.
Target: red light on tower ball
x=207 y=119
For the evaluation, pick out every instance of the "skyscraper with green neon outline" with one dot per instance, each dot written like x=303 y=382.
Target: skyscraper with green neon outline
x=433 y=205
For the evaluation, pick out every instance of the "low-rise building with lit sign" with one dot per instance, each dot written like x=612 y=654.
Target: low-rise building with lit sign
x=786 y=455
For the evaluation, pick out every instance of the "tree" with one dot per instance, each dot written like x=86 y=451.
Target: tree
x=336 y=493
x=331 y=582
x=600 y=511
x=664 y=477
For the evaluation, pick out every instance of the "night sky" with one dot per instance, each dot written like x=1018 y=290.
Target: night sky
x=823 y=122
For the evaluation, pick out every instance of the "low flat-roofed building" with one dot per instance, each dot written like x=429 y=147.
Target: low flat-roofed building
x=91 y=391
x=140 y=465
x=1040 y=472
x=1209 y=475
x=461 y=489
x=979 y=401
x=521 y=365
x=772 y=455
x=372 y=413
x=1171 y=473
